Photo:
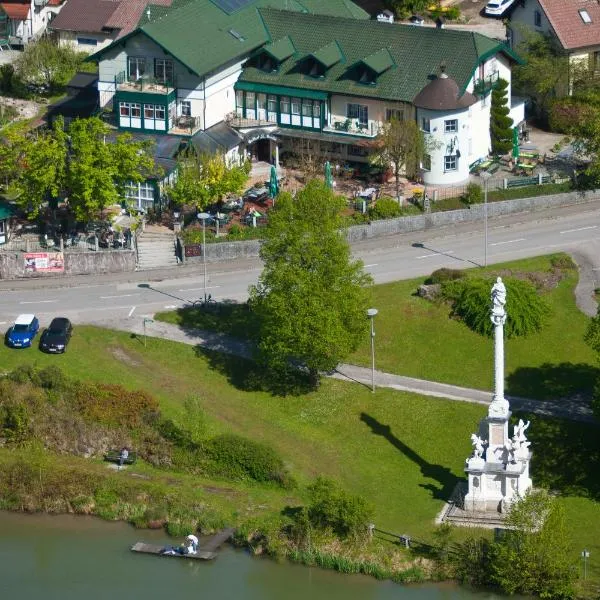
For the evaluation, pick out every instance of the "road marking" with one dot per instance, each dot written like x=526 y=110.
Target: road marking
x=170 y=306
x=208 y=287
x=2 y=322
x=121 y=296
x=508 y=242
x=373 y=265
x=579 y=229
x=434 y=254
x=131 y=311
x=37 y=301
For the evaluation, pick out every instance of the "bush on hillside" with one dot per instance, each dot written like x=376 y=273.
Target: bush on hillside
x=332 y=508
x=444 y=274
x=470 y=298
x=237 y=457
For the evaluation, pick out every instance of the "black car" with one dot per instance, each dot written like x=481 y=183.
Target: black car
x=57 y=336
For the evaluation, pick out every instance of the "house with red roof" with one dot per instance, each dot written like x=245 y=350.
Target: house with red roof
x=574 y=25
x=21 y=21
x=90 y=25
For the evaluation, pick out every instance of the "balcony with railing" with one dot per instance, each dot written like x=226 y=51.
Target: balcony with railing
x=184 y=125
x=486 y=84
x=352 y=127
x=145 y=84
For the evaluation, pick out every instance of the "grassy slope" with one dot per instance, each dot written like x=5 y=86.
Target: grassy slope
x=401 y=451
x=417 y=338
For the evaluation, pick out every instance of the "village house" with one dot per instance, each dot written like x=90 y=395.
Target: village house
x=574 y=26
x=22 y=21
x=314 y=72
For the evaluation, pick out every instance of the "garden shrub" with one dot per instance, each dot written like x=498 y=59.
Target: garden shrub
x=333 y=508
x=237 y=457
x=563 y=262
x=473 y=194
x=470 y=298
x=444 y=274
x=170 y=431
x=24 y=374
x=385 y=208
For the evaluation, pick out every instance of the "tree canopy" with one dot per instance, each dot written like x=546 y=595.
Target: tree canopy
x=206 y=178
x=79 y=165
x=311 y=298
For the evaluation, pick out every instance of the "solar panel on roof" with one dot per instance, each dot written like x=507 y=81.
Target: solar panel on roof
x=230 y=6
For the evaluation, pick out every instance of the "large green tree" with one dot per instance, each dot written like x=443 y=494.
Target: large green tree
x=500 y=123
x=535 y=556
x=544 y=72
x=311 y=298
x=592 y=338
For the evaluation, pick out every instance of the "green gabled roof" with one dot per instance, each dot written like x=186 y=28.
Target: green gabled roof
x=328 y=55
x=281 y=49
x=416 y=52
x=379 y=61
x=198 y=33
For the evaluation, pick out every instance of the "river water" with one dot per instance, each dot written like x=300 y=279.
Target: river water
x=65 y=557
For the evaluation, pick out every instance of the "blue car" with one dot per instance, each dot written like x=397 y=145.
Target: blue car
x=21 y=334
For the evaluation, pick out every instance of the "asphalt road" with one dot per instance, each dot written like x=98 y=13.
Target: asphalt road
x=106 y=299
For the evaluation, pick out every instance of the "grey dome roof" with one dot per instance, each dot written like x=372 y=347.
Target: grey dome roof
x=442 y=93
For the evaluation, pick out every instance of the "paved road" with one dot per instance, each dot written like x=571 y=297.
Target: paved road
x=102 y=299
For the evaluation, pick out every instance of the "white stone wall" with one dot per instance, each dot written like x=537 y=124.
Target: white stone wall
x=220 y=95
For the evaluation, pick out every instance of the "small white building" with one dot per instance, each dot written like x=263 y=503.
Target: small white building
x=22 y=21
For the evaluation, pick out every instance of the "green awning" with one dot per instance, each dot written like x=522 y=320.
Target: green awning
x=280 y=49
x=379 y=61
x=279 y=90
x=328 y=55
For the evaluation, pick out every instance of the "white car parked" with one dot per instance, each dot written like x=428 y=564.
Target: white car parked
x=496 y=8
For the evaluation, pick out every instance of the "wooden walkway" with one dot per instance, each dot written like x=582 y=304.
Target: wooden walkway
x=207 y=551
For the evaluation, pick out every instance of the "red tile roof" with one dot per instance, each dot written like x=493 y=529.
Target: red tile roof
x=127 y=16
x=566 y=21
x=55 y=2
x=84 y=15
x=15 y=10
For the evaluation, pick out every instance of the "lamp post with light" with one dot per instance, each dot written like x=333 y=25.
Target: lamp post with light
x=202 y=216
x=371 y=312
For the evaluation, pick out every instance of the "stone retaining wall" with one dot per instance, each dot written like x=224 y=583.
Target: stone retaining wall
x=12 y=264
x=248 y=249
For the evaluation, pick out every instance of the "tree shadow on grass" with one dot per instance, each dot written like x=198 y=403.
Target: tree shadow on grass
x=224 y=317
x=248 y=376
x=566 y=455
x=445 y=478
x=554 y=381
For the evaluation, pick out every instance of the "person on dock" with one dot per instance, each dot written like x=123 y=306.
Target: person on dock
x=190 y=545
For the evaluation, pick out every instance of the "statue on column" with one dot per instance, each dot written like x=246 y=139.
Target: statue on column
x=519 y=440
x=478 y=445
x=498 y=302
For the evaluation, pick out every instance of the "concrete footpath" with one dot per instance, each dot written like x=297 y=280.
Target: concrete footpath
x=567 y=409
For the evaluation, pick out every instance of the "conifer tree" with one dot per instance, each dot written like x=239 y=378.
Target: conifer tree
x=500 y=123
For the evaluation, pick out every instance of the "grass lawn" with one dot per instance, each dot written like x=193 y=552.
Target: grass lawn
x=416 y=337
x=401 y=451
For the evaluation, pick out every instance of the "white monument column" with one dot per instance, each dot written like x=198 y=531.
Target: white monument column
x=498 y=470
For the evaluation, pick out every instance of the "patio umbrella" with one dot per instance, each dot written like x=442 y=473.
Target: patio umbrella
x=328 y=176
x=273 y=184
x=515 y=141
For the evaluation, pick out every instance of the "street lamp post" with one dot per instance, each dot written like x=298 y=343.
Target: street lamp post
x=202 y=216
x=371 y=312
x=585 y=555
x=485 y=175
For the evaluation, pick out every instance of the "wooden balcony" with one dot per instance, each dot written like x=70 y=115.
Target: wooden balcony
x=238 y=122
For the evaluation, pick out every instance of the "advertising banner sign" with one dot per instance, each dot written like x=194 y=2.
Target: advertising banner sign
x=44 y=262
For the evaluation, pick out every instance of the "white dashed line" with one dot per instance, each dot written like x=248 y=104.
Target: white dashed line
x=208 y=287
x=121 y=296
x=434 y=254
x=508 y=242
x=131 y=311
x=373 y=265
x=37 y=301
x=579 y=229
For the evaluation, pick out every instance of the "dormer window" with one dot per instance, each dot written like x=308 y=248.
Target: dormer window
x=266 y=63
x=367 y=77
x=585 y=16
x=315 y=69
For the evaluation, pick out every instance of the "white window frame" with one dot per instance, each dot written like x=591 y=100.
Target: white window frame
x=185 y=106
x=360 y=112
x=451 y=126
x=139 y=70
x=450 y=163
x=163 y=70
x=159 y=112
x=127 y=107
x=426 y=162
x=394 y=113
